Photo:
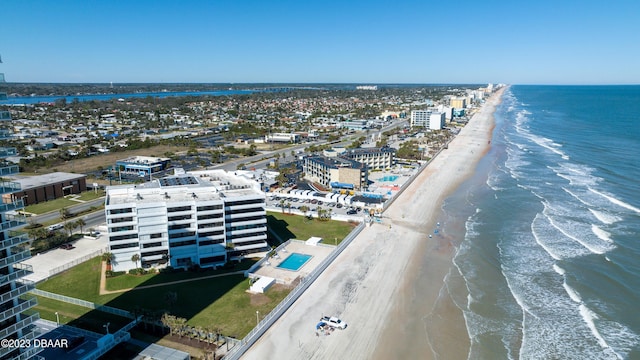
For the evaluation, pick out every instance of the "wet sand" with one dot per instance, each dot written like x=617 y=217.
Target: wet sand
x=386 y=285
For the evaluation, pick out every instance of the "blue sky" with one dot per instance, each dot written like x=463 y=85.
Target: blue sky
x=510 y=41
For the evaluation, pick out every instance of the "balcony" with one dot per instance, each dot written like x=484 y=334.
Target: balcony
x=5 y=115
x=15 y=258
x=248 y=240
x=3 y=96
x=19 y=290
x=8 y=186
x=13 y=223
x=7 y=168
x=13 y=241
x=19 y=271
x=26 y=321
x=22 y=306
x=16 y=205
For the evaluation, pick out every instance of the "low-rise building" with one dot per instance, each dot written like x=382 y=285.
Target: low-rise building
x=41 y=188
x=282 y=137
x=202 y=218
x=142 y=165
x=325 y=170
x=374 y=158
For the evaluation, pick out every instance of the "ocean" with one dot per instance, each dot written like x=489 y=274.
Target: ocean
x=548 y=264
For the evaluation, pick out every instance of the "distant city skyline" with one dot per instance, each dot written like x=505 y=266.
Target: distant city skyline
x=373 y=42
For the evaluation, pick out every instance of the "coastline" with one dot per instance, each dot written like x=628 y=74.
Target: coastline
x=430 y=325
x=373 y=284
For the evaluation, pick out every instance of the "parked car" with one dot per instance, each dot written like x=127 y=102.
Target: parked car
x=351 y=212
x=67 y=246
x=334 y=322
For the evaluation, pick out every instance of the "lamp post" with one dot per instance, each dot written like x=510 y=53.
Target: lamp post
x=106 y=326
x=257 y=317
x=57 y=319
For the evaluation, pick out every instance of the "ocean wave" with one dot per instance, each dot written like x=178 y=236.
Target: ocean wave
x=604 y=235
x=572 y=293
x=558 y=217
x=604 y=217
x=589 y=316
x=553 y=242
x=558 y=269
x=613 y=200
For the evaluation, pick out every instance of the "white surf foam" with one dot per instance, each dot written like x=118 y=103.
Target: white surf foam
x=558 y=269
x=604 y=217
x=589 y=316
x=604 y=235
x=572 y=293
x=615 y=201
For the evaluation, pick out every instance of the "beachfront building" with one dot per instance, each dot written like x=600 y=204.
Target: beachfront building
x=375 y=158
x=428 y=119
x=41 y=188
x=202 y=218
x=142 y=165
x=458 y=102
x=325 y=171
x=282 y=138
x=15 y=299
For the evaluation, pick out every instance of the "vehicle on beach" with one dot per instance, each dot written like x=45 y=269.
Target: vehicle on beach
x=334 y=322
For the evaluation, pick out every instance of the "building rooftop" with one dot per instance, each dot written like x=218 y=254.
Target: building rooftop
x=143 y=160
x=208 y=185
x=46 y=179
x=338 y=162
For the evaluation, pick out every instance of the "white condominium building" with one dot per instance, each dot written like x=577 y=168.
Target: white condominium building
x=201 y=218
x=428 y=119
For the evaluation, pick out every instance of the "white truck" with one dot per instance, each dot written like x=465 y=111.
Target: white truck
x=333 y=322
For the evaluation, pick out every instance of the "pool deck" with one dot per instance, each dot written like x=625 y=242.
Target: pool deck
x=284 y=276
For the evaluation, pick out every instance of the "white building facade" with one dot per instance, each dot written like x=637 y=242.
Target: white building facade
x=428 y=119
x=202 y=218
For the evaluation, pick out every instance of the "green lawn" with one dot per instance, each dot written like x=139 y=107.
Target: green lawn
x=91 y=195
x=57 y=204
x=127 y=281
x=221 y=302
x=52 y=205
x=296 y=227
x=78 y=316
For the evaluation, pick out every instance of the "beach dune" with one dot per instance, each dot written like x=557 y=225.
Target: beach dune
x=373 y=285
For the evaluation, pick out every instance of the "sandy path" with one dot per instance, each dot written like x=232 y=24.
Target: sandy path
x=367 y=284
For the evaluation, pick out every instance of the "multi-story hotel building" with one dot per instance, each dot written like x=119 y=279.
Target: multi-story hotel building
x=375 y=158
x=202 y=218
x=14 y=297
x=324 y=171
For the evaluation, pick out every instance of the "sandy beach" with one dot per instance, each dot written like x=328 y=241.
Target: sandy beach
x=378 y=284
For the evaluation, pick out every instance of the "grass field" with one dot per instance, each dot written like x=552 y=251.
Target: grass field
x=296 y=227
x=221 y=302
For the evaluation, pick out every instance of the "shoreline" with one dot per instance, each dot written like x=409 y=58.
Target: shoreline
x=373 y=284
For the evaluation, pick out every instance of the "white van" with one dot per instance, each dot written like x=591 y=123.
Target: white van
x=55 y=227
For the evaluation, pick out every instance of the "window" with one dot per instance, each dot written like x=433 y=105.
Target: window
x=120 y=211
x=124 y=246
x=179 y=208
x=209 y=207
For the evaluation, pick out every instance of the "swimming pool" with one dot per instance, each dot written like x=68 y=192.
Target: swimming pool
x=389 y=178
x=294 y=261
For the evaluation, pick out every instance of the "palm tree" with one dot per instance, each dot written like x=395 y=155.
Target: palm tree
x=108 y=258
x=80 y=223
x=135 y=258
x=304 y=209
x=69 y=226
x=282 y=205
x=289 y=206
